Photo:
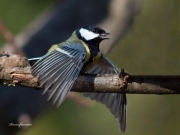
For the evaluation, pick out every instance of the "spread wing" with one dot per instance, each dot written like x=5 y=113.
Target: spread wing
x=59 y=69
x=115 y=102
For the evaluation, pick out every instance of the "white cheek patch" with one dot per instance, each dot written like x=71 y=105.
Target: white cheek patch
x=88 y=35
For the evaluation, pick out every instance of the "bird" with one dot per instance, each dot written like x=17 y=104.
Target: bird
x=80 y=53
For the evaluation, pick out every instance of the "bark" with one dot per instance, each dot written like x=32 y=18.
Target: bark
x=16 y=71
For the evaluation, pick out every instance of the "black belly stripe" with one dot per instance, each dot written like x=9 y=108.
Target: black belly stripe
x=94 y=51
x=88 y=63
x=91 y=62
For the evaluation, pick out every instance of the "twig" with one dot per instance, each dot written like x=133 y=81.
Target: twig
x=16 y=71
x=8 y=36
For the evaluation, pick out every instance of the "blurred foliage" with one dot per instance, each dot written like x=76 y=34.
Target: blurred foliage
x=150 y=47
x=152 y=44
x=17 y=14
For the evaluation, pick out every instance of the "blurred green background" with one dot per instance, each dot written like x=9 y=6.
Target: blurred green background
x=151 y=46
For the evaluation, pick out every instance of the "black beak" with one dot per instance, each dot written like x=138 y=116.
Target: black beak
x=103 y=35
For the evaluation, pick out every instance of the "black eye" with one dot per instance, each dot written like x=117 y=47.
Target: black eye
x=95 y=30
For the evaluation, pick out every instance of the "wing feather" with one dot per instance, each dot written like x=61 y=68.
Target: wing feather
x=54 y=78
x=46 y=67
x=59 y=69
x=57 y=81
x=61 y=87
x=115 y=102
x=43 y=61
x=65 y=92
x=51 y=72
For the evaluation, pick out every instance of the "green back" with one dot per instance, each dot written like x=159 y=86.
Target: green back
x=72 y=40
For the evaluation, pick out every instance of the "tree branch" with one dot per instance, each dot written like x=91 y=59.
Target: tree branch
x=15 y=70
x=132 y=84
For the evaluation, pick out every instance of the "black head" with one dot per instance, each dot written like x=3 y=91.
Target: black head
x=91 y=34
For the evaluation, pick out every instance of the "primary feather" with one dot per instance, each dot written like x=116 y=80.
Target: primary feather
x=115 y=102
x=59 y=69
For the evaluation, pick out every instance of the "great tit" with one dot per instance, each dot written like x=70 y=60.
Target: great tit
x=60 y=67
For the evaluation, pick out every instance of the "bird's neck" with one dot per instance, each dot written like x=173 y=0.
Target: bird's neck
x=94 y=54
x=93 y=46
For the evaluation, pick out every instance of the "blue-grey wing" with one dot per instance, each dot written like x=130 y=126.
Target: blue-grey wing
x=115 y=102
x=59 y=69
